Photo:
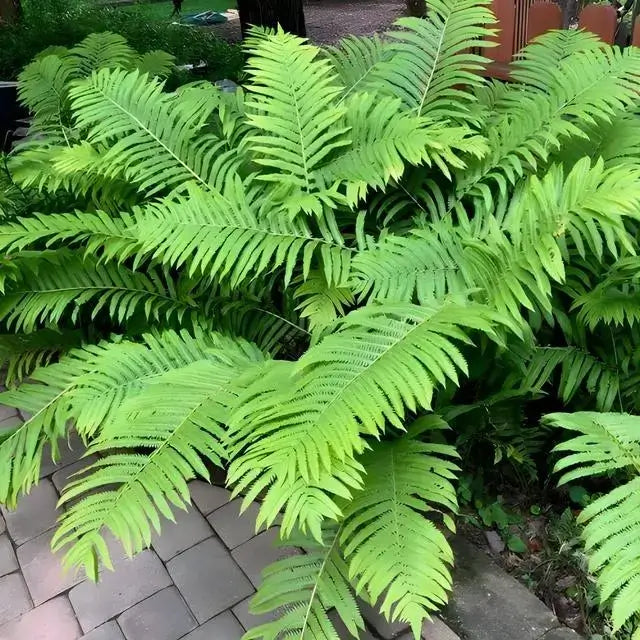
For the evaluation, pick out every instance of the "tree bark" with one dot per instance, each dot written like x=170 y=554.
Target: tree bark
x=289 y=14
x=10 y=10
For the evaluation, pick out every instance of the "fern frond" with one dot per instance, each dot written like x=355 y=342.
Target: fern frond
x=176 y=431
x=393 y=550
x=157 y=140
x=303 y=589
x=355 y=59
x=431 y=58
x=307 y=421
x=99 y=51
x=70 y=282
x=225 y=235
x=610 y=441
x=577 y=368
x=297 y=124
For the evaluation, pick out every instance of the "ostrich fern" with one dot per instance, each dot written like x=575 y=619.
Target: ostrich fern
x=296 y=281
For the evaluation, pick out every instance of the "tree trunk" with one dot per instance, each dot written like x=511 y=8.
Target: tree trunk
x=417 y=8
x=10 y=10
x=271 y=13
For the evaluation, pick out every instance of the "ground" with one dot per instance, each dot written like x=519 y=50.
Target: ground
x=327 y=20
x=194 y=583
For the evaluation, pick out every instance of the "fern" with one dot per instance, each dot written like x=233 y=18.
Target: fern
x=608 y=442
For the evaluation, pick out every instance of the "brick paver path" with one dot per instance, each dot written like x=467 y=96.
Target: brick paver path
x=195 y=582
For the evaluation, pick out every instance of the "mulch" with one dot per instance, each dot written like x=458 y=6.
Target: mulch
x=330 y=20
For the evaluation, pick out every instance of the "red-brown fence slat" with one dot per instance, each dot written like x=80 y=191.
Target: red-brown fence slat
x=601 y=20
x=543 y=17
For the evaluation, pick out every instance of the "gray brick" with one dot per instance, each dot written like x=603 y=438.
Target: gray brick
x=189 y=528
x=207 y=497
x=53 y=620
x=42 y=570
x=163 y=616
x=208 y=578
x=62 y=477
x=10 y=422
x=343 y=632
x=134 y=580
x=233 y=528
x=108 y=631
x=379 y=623
x=36 y=513
x=14 y=598
x=7 y=412
x=255 y=554
x=435 y=629
x=8 y=562
x=222 y=627
x=69 y=450
x=249 y=620
x=3 y=525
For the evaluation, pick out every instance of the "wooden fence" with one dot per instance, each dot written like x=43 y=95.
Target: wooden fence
x=520 y=21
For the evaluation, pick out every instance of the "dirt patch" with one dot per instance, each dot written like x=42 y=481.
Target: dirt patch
x=330 y=20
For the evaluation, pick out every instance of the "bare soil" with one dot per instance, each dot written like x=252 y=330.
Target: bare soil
x=331 y=20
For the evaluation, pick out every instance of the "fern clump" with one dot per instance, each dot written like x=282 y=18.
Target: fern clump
x=300 y=281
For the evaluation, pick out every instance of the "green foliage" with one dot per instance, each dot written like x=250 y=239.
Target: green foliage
x=608 y=442
x=305 y=281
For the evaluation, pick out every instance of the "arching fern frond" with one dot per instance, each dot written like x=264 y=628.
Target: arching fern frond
x=71 y=282
x=431 y=58
x=297 y=124
x=176 y=431
x=302 y=590
x=99 y=51
x=608 y=441
x=394 y=551
x=305 y=422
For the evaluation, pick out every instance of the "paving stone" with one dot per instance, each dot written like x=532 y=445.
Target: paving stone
x=36 y=513
x=42 y=570
x=8 y=562
x=378 y=622
x=108 y=631
x=53 y=620
x=209 y=579
x=3 y=525
x=233 y=528
x=189 y=528
x=62 y=477
x=14 y=598
x=207 y=497
x=135 y=579
x=10 y=422
x=436 y=630
x=163 y=616
x=7 y=412
x=247 y=619
x=343 y=632
x=255 y=554
x=488 y=604
x=68 y=452
x=222 y=627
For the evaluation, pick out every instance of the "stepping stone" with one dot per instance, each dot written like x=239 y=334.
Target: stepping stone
x=208 y=497
x=53 y=620
x=379 y=623
x=62 y=477
x=436 y=630
x=249 y=620
x=222 y=627
x=562 y=633
x=42 y=570
x=483 y=596
x=189 y=528
x=163 y=616
x=68 y=452
x=8 y=562
x=134 y=580
x=233 y=528
x=255 y=554
x=14 y=598
x=208 y=579
x=108 y=631
x=36 y=513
